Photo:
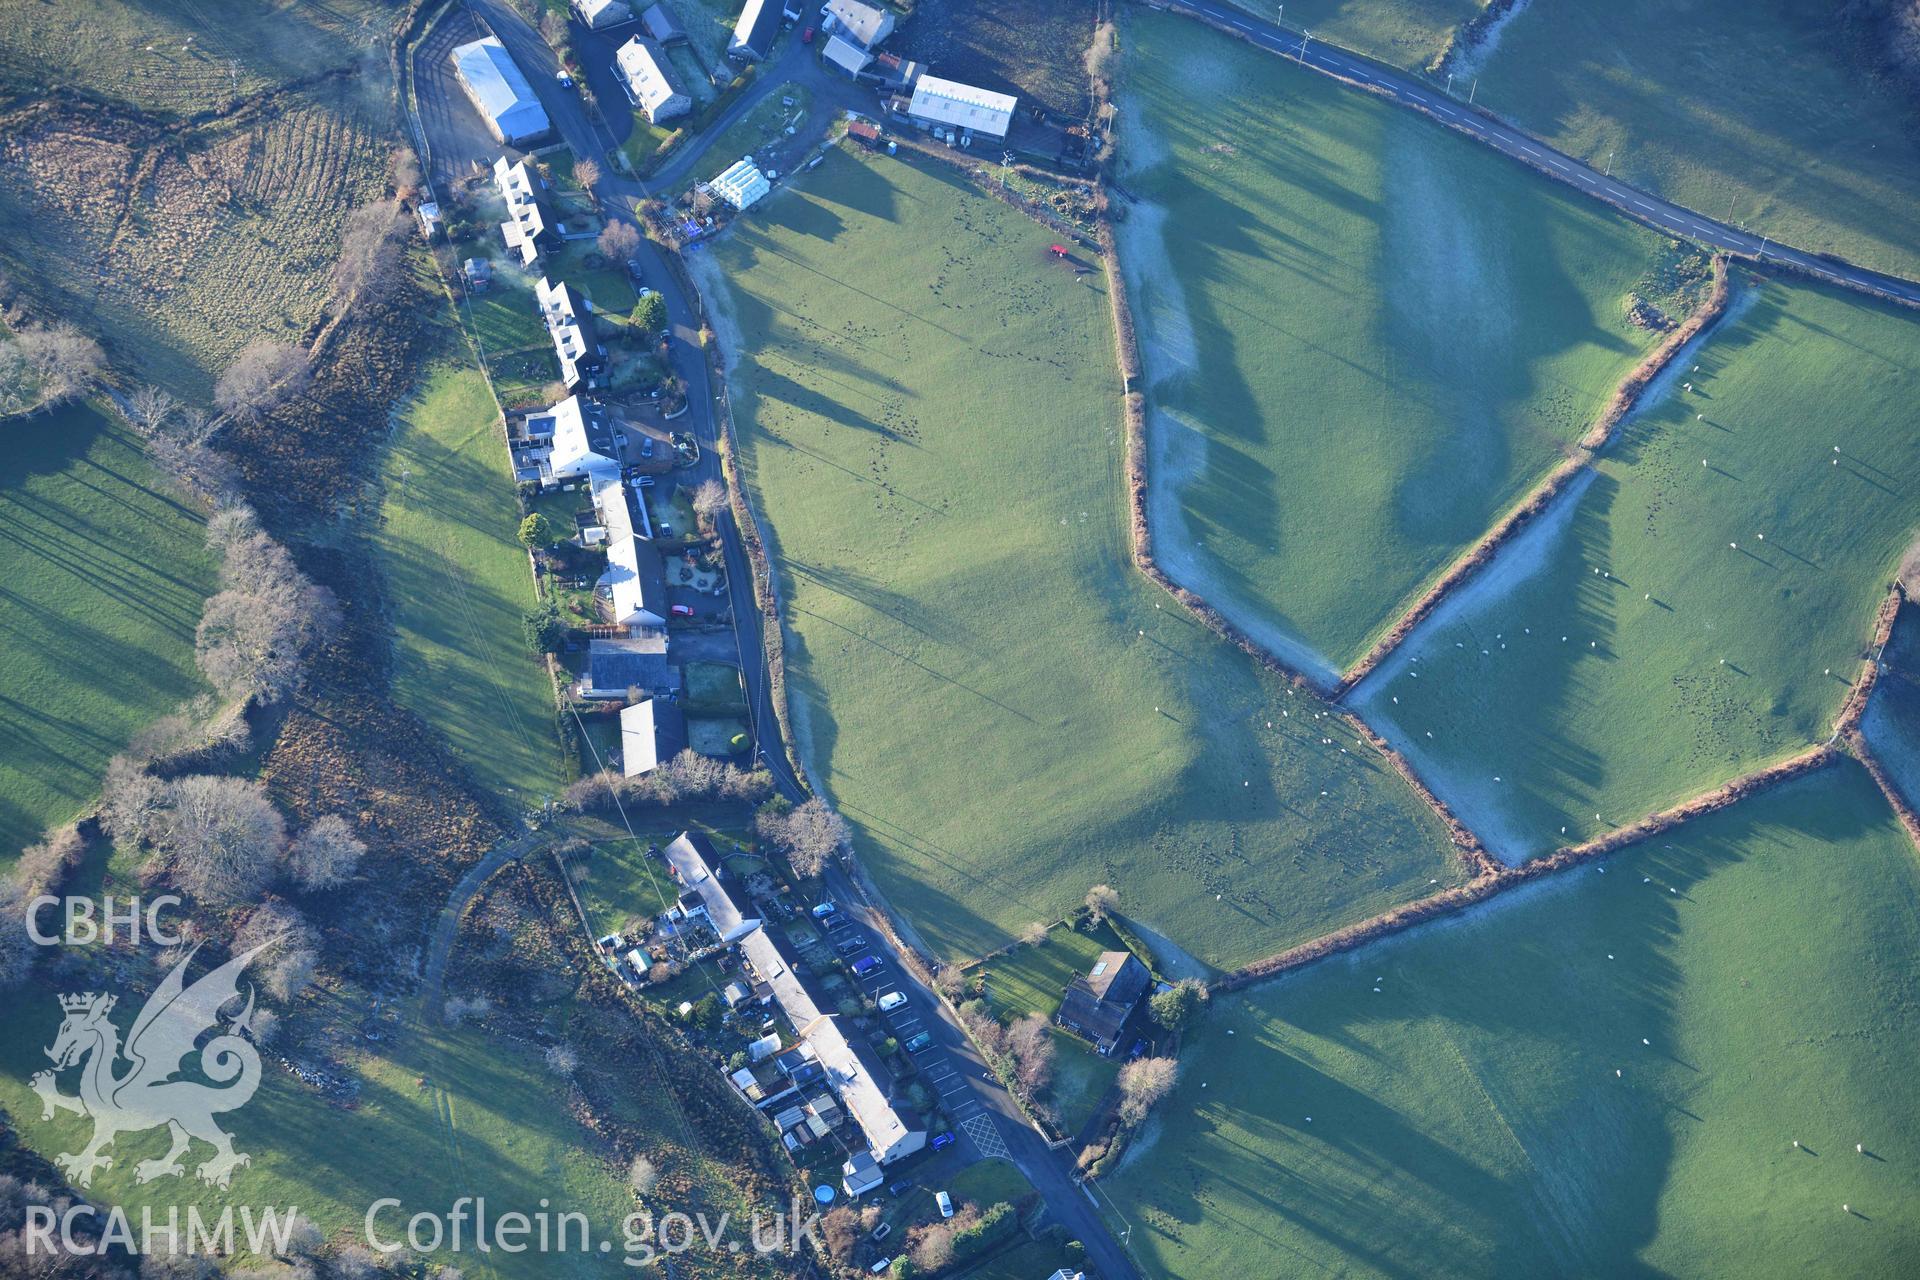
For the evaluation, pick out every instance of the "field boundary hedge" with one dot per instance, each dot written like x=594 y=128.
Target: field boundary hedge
x=1626 y=397
x=1485 y=887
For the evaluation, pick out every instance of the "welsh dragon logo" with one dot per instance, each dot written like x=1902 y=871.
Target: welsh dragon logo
x=150 y=1091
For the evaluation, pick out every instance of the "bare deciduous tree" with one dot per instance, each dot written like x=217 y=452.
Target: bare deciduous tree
x=149 y=408
x=131 y=801
x=587 y=173
x=224 y=836
x=16 y=945
x=255 y=635
x=950 y=981
x=287 y=967
x=563 y=1059
x=325 y=854
x=42 y=867
x=809 y=835
x=260 y=377
x=1030 y=1042
x=1034 y=933
x=618 y=241
x=1143 y=1082
x=66 y=361
x=710 y=499
x=1102 y=901
x=19 y=384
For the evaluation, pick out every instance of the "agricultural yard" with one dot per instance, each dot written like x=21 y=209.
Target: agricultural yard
x=180 y=60
x=178 y=252
x=1034 y=48
x=1892 y=722
x=1769 y=113
x=1404 y=33
x=104 y=576
x=457 y=582
x=1447 y=1103
x=1365 y=338
x=1759 y=518
x=1004 y=710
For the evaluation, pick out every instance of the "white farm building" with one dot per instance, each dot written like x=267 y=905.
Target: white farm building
x=651 y=81
x=499 y=92
x=961 y=106
x=601 y=14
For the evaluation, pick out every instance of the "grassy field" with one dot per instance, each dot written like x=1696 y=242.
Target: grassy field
x=442 y=1114
x=1466 y=1119
x=458 y=582
x=1365 y=337
x=103 y=575
x=184 y=59
x=1405 y=33
x=1006 y=712
x=1686 y=660
x=1767 y=110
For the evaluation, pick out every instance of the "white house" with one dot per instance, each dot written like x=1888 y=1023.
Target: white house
x=635 y=579
x=742 y=184
x=961 y=106
x=528 y=227
x=846 y=55
x=693 y=858
x=864 y=24
x=569 y=318
x=499 y=92
x=651 y=81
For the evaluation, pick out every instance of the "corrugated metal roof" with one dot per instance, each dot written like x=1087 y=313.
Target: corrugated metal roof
x=499 y=90
x=962 y=105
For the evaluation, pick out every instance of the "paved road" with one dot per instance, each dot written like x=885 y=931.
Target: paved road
x=1648 y=208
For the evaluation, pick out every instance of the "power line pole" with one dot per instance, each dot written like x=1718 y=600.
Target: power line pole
x=1304 y=37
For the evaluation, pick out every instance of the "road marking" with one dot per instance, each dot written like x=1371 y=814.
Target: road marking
x=1530 y=151
x=985 y=1136
x=1443 y=111
x=1641 y=204
x=1556 y=164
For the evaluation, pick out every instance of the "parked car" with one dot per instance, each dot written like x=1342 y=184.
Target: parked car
x=806 y=36
x=900 y=1188
x=824 y=910
x=942 y=1140
x=681 y=610
x=847 y=946
x=945 y=1202
x=864 y=966
x=892 y=1000
x=922 y=1041
x=564 y=80
x=880 y=1268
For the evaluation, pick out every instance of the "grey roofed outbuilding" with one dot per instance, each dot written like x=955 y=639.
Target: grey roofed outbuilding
x=501 y=93
x=615 y=666
x=753 y=34
x=651 y=733
x=661 y=25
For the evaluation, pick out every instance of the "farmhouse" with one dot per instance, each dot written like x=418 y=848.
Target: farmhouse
x=601 y=14
x=569 y=318
x=651 y=733
x=529 y=227
x=863 y=24
x=961 y=106
x=500 y=93
x=847 y=56
x=651 y=81
x=693 y=859
x=1099 y=1002
x=661 y=25
x=615 y=667
x=753 y=34
x=742 y=184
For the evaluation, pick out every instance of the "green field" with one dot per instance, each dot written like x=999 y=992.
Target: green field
x=1405 y=33
x=458 y=582
x=441 y=1114
x=1466 y=1119
x=1765 y=112
x=1365 y=337
x=102 y=573
x=1004 y=710
x=1686 y=661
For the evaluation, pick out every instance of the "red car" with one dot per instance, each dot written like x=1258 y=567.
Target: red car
x=682 y=611
x=806 y=36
